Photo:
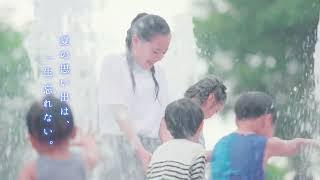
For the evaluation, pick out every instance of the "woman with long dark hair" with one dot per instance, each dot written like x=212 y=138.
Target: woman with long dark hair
x=132 y=98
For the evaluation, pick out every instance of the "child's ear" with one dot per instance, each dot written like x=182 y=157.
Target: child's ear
x=210 y=98
x=34 y=142
x=164 y=132
x=200 y=127
x=196 y=136
x=207 y=103
x=268 y=125
x=135 y=40
x=269 y=120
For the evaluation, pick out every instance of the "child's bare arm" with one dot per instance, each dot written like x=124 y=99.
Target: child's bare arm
x=279 y=147
x=28 y=172
x=208 y=156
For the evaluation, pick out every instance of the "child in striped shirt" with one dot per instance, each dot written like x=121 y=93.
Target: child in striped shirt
x=181 y=157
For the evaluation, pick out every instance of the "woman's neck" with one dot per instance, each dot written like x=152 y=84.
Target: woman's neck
x=133 y=62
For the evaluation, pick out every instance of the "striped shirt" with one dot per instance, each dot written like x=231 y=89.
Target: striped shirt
x=177 y=159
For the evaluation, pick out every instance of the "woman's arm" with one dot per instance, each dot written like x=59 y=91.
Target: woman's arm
x=88 y=145
x=125 y=125
x=164 y=133
x=115 y=92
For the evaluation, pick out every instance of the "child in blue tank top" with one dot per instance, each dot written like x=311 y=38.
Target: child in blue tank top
x=51 y=128
x=242 y=154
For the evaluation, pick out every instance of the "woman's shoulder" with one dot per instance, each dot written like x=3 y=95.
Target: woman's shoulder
x=113 y=68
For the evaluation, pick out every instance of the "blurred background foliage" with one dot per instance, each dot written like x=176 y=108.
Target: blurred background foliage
x=15 y=73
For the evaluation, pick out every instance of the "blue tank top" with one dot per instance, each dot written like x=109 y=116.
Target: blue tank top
x=69 y=169
x=239 y=157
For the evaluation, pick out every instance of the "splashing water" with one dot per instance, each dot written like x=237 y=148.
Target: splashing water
x=316 y=56
x=97 y=28
x=53 y=20
x=317 y=66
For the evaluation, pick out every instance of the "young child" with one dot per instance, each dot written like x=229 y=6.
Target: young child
x=181 y=157
x=243 y=153
x=51 y=127
x=210 y=93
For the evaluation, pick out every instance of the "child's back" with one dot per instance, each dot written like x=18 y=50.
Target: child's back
x=243 y=154
x=51 y=129
x=72 y=168
x=239 y=156
x=177 y=158
x=181 y=157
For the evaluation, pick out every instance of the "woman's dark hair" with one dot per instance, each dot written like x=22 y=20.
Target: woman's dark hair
x=145 y=26
x=206 y=86
x=50 y=121
x=183 y=118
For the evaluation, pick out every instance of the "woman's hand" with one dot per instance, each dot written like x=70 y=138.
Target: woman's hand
x=144 y=156
x=89 y=148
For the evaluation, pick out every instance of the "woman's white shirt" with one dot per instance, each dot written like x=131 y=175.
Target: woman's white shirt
x=115 y=87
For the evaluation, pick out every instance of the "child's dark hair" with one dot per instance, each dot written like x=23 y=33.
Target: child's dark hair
x=206 y=86
x=183 y=118
x=145 y=26
x=50 y=121
x=254 y=104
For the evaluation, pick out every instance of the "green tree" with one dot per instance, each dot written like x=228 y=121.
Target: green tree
x=271 y=44
x=15 y=73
